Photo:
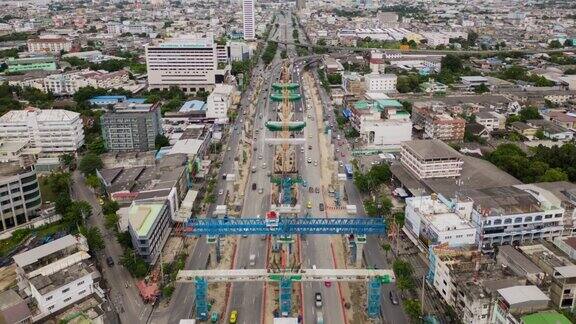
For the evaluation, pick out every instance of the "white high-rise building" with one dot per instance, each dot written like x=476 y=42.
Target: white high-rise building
x=189 y=63
x=50 y=130
x=249 y=22
x=380 y=82
x=219 y=101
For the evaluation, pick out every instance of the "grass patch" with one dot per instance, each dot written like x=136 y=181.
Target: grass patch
x=20 y=235
x=46 y=191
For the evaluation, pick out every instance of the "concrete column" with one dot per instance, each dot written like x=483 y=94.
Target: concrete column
x=213 y=246
x=360 y=240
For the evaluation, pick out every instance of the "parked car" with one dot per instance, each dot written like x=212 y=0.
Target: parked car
x=318 y=300
x=254 y=186
x=310 y=189
x=110 y=261
x=321 y=206
x=394 y=298
x=317 y=190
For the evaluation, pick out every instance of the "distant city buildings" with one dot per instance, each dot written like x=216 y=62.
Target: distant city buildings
x=49 y=44
x=248 y=20
x=131 y=126
x=50 y=130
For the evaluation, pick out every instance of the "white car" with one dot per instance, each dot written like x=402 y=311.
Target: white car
x=309 y=160
x=264 y=165
x=220 y=192
x=259 y=157
x=315 y=163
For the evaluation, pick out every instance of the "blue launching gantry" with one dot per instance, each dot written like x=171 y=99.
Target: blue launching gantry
x=355 y=228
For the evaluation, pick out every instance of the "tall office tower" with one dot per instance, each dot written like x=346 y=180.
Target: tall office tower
x=248 y=19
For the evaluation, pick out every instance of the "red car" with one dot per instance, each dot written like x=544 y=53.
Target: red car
x=328 y=284
x=342 y=154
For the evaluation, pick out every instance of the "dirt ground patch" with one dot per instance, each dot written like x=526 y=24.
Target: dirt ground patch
x=7 y=277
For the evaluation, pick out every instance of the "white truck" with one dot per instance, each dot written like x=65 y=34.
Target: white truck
x=319 y=317
x=220 y=210
x=351 y=209
x=252 y=260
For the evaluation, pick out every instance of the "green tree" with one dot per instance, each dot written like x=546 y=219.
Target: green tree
x=137 y=267
x=555 y=44
x=529 y=113
x=405 y=283
x=62 y=202
x=399 y=217
x=555 y=174
x=111 y=221
x=335 y=78
x=59 y=182
x=385 y=205
x=90 y=163
x=160 y=141
x=402 y=268
x=92 y=181
x=370 y=207
x=67 y=160
x=96 y=146
x=124 y=239
x=452 y=63
x=387 y=248
x=540 y=134
x=94 y=238
x=110 y=207
x=413 y=308
x=483 y=88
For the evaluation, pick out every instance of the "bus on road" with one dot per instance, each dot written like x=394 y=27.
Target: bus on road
x=349 y=171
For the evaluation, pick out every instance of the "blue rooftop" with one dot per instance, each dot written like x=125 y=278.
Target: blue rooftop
x=119 y=98
x=193 y=105
x=112 y=100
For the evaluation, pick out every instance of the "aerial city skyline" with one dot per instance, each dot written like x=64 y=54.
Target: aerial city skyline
x=284 y=162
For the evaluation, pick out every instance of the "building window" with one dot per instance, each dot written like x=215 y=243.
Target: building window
x=518 y=220
x=528 y=219
x=67 y=299
x=48 y=298
x=65 y=290
x=80 y=283
x=51 y=307
x=82 y=292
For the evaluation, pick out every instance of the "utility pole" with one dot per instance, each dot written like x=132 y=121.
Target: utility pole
x=423 y=303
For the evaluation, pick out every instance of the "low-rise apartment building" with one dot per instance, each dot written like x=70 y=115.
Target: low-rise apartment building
x=513 y=303
x=383 y=83
x=149 y=226
x=432 y=221
x=437 y=123
x=57 y=274
x=49 y=44
x=514 y=215
x=50 y=130
x=430 y=159
x=382 y=124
